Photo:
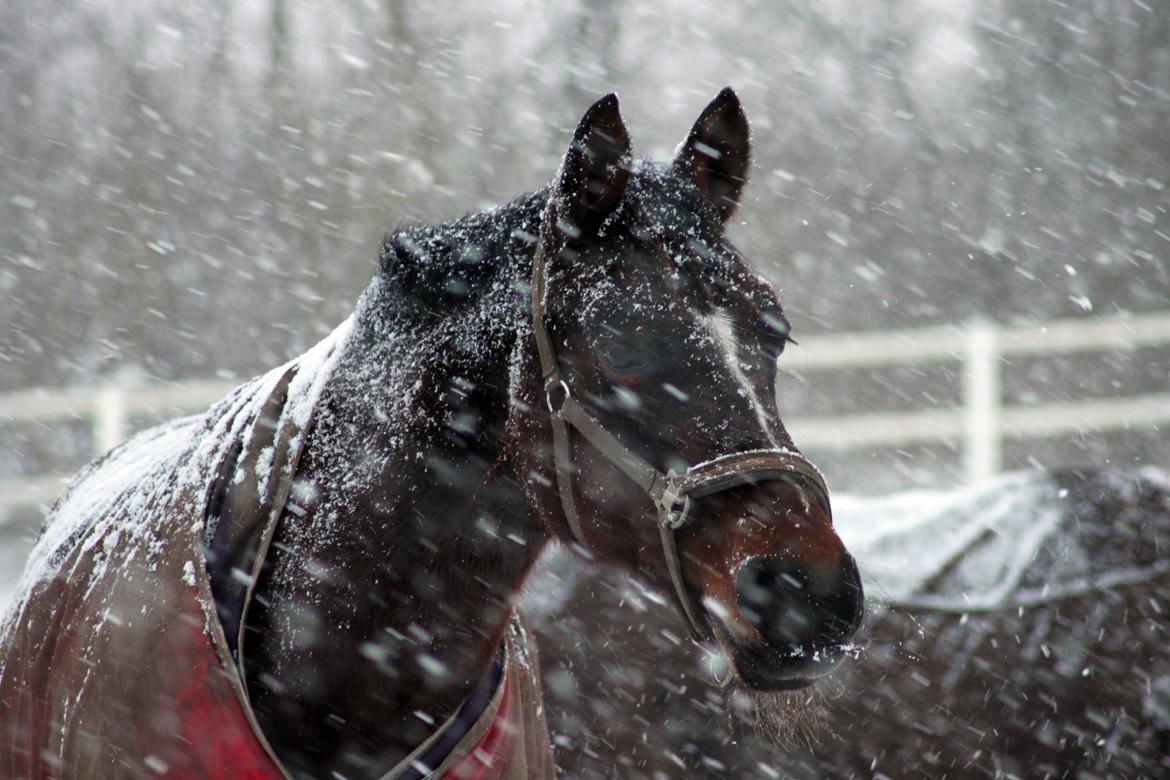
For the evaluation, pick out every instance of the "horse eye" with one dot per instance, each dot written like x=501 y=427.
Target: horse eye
x=620 y=356
x=777 y=325
x=776 y=335
x=774 y=348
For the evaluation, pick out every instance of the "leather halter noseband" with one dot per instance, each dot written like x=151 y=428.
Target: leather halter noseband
x=672 y=493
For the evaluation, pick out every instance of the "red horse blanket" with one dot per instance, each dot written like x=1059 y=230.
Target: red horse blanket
x=113 y=662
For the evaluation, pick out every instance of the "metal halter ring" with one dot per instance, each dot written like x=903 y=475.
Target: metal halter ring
x=674 y=504
x=550 y=387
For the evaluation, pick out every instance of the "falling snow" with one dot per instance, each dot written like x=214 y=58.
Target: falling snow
x=196 y=192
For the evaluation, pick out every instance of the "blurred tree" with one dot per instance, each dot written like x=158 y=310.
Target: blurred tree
x=196 y=187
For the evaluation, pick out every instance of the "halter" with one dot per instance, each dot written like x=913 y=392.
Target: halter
x=672 y=493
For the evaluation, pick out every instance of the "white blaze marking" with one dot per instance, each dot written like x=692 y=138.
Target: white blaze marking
x=725 y=337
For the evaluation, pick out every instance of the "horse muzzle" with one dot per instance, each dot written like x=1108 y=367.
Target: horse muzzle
x=804 y=618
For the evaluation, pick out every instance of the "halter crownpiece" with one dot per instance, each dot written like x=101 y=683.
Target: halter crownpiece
x=671 y=492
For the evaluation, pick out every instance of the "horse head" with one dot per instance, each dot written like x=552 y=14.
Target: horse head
x=662 y=447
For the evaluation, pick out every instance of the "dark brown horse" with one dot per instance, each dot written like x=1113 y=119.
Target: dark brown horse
x=593 y=363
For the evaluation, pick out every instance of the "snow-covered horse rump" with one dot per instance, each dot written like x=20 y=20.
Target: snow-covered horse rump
x=1029 y=638
x=114 y=660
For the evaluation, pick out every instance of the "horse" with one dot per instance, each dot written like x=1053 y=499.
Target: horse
x=319 y=577
x=1015 y=628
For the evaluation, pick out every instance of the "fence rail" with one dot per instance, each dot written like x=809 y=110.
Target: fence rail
x=981 y=423
x=108 y=408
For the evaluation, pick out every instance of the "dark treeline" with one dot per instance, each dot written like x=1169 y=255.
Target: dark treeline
x=192 y=188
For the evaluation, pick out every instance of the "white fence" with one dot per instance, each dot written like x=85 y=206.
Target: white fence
x=981 y=423
x=108 y=409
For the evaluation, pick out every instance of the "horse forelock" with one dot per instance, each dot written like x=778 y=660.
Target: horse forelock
x=673 y=209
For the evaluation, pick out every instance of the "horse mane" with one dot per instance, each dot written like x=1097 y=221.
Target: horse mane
x=433 y=336
x=446 y=266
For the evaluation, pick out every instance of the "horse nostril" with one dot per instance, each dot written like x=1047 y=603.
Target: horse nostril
x=851 y=584
x=796 y=608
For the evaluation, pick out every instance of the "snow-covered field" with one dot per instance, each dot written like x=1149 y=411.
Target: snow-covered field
x=17 y=534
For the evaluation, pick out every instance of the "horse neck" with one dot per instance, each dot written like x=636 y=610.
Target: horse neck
x=417 y=537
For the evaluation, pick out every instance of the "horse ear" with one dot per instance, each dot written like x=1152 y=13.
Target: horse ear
x=717 y=154
x=595 y=169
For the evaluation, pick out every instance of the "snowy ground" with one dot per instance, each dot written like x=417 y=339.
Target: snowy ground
x=18 y=531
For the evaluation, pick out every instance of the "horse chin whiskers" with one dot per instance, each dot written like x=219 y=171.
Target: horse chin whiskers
x=790 y=719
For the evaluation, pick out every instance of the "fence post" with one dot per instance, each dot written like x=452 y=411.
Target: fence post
x=109 y=417
x=982 y=399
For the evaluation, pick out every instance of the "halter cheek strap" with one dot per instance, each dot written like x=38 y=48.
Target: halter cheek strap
x=671 y=492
